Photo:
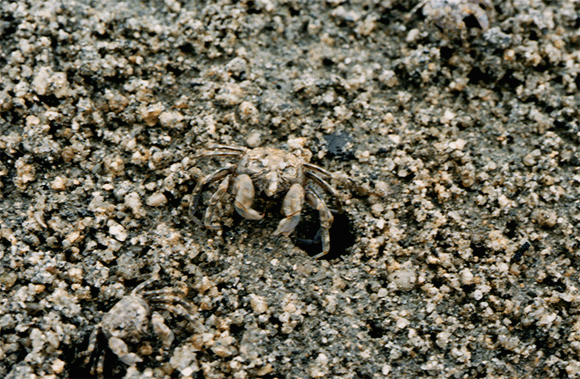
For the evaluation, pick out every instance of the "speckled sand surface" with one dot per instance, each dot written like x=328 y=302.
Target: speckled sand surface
x=453 y=130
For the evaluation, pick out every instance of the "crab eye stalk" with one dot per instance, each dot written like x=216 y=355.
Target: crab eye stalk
x=289 y=171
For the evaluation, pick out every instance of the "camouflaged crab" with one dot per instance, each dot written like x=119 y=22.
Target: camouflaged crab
x=275 y=173
x=128 y=321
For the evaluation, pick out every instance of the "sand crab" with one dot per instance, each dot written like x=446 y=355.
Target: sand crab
x=129 y=320
x=273 y=172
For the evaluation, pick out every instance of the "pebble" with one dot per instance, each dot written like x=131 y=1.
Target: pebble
x=157 y=199
x=117 y=231
x=545 y=217
x=405 y=277
x=466 y=277
x=133 y=201
x=59 y=183
x=151 y=114
x=254 y=139
x=171 y=119
x=259 y=304
x=184 y=360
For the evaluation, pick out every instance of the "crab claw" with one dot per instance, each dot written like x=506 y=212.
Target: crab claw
x=291 y=208
x=119 y=347
x=287 y=225
x=244 y=189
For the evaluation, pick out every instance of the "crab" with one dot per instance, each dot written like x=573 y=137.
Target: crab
x=129 y=319
x=274 y=173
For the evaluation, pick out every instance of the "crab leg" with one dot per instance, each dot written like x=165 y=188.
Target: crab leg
x=324 y=184
x=291 y=207
x=163 y=292
x=326 y=219
x=100 y=366
x=218 y=154
x=154 y=277
x=92 y=345
x=213 y=202
x=181 y=311
x=225 y=147
x=226 y=151
x=196 y=193
x=244 y=190
x=320 y=170
x=167 y=299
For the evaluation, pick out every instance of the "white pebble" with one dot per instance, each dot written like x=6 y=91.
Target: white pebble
x=466 y=277
x=118 y=232
x=156 y=199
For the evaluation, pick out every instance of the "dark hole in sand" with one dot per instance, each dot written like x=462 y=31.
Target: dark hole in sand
x=341 y=236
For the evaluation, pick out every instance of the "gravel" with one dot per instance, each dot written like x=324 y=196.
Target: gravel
x=453 y=130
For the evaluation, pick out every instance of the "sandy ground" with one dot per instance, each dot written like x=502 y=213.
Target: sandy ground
x=452 y=129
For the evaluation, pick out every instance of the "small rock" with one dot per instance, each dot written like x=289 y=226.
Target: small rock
x=413 y=35
x=184 y=360
x=545 y=218
x=57 y=366
x=405 y=277
x=258 y=303
x=223 y=346
x=156 y=199
x=377 y=210
x=171 y=119
x=8 y=279
x=25 y=174
x=132 y=201
x=443 y=339
x=248 y=112
x=6 y=102
x=59 y=183
x=254 y=139
x=530 y=159
x=117 y=231
x=151 y=114
x=466 y=277
x=41 y=81
x=402 y=323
